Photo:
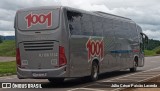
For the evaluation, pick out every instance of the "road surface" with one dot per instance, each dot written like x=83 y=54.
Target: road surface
x=6 y=59
x=70 y=85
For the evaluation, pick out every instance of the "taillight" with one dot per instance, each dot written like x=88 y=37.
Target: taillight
x=62 y=57
x=18 y=59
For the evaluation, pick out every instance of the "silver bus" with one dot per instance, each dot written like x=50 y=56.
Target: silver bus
x=58 y=42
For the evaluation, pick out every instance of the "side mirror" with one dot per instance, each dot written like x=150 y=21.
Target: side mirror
x=146 y=39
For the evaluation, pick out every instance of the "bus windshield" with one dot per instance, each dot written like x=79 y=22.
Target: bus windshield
x=38 y=19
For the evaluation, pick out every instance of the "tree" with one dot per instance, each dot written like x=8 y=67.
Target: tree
x=1 y=38
x=153 y=44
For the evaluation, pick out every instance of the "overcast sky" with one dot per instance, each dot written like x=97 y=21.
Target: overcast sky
x=144 y=12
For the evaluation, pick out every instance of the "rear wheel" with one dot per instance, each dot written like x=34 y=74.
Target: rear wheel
x=94 y=71
x=56 y=80
x=135 y=63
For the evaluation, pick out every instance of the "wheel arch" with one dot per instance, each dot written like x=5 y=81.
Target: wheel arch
x=97 y=62
x=136 y=59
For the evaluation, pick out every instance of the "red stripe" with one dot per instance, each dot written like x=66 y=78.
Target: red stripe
x=136 y=50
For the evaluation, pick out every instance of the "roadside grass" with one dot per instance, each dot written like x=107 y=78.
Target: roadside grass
x=154 y=52
x=8 y=68
x=150 y=53
x=7 y=48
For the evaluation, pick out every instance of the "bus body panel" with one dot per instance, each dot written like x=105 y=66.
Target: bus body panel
x=78 y=56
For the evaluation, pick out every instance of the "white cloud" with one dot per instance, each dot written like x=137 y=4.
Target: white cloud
x=7 y=15
x=153 y=34
x=144 y=12
x=7 y=33
x=17 y=4
x=6 y=25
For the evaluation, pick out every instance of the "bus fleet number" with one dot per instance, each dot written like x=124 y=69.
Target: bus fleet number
x=33 y=19
x=95 y=49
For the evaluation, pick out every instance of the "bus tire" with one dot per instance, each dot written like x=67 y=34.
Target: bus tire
x=56 y=80
x=94 y=71
x=134 y=69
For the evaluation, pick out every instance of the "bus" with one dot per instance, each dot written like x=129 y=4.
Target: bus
x=58 y=42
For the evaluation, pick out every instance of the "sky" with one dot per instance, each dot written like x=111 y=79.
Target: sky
x=146 y=13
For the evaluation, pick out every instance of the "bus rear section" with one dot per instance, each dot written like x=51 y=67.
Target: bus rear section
x=39 y=52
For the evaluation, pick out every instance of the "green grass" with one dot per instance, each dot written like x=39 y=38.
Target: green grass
x=7 y=48
x=153 y=52
x=7 y=68
x=150 y=53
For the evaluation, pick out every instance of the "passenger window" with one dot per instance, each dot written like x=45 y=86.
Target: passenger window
x=126 y=30
x=120 y=31
x=133 y=31
x=97 y=26
x=87 y=28
x=74 y=20
x=107 y=27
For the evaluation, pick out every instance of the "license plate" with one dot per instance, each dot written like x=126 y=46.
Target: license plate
x=39 y=74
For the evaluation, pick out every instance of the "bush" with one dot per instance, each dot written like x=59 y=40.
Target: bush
x=1 y=39
x=158 y=51
x=149 y=53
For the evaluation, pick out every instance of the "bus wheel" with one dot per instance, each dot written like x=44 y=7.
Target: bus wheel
x=94 y=71
x=56 y=80
x=134 y=69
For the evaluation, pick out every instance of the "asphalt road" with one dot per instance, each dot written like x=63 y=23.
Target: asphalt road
x=7 y=59
x=150 y=63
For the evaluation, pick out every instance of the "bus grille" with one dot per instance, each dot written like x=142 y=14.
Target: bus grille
x=38 y=45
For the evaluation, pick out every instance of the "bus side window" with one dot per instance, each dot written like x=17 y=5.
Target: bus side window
x=70 y=28
x=87 y=28
x=133 y=33
x=107 y=28
x=74 y=20
x=118 y=29
x=97 y=26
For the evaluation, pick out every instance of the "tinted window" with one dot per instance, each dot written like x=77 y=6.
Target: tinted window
x=117 y=26
x=107 y=27
x=126 y=30
x=74 y=20
x=133 y=31
x=87 y=27
x=97 y=25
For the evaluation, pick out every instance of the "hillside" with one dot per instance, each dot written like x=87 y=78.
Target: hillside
x=153 y=44
x=7 y=48
x=153 y=48
x=154 y=52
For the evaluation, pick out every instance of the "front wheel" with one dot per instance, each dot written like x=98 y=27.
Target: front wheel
x=94 y=71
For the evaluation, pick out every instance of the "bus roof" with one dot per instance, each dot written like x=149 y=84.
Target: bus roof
x=40 y=8
x=101 y=14
x=96 y=13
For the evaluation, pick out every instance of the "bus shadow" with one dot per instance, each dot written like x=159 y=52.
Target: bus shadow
x=73 y=83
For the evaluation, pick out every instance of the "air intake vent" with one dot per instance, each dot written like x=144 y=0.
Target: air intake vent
x=38 y=45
